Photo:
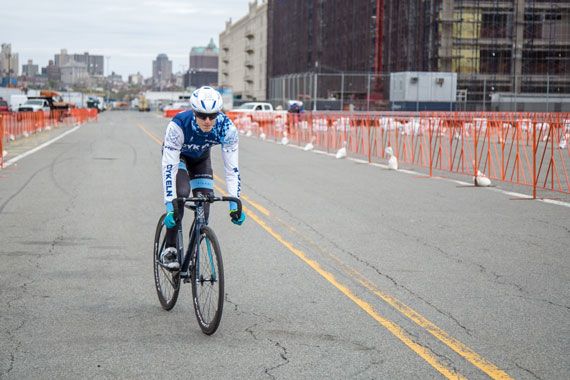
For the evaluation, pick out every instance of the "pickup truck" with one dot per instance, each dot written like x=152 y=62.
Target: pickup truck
x=34 y=105
x=254 y=107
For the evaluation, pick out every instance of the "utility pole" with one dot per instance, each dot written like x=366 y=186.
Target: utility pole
x=315 y=89
x=107 y=79
x=9 y=69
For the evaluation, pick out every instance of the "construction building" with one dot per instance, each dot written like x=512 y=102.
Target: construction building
x=333 y=35
x=518 y=47
x=496 y=47
x=329 y=37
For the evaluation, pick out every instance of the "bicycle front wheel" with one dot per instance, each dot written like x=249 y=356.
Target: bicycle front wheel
x=167 y=282
x=208 y=282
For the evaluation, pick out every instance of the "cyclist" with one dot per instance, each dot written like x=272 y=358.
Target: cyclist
x=186 y=161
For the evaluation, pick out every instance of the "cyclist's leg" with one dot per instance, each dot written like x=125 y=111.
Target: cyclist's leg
x=202 y=179
x=182 y=190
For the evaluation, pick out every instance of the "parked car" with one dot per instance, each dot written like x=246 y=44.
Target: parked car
x=35 y=105
x=4 y=106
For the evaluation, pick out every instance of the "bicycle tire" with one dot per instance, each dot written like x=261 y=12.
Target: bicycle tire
x=208 y=282
x=167 y=282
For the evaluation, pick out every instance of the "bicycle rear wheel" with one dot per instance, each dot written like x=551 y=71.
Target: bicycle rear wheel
x=167 y=282
x=208 y=282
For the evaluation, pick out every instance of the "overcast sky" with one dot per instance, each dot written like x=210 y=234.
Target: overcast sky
x=131 y=32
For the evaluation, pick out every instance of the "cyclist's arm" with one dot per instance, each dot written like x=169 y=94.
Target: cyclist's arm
x=173 y=140
x=230 y=157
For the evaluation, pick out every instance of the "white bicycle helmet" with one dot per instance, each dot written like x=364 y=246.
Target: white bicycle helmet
x=206 y=100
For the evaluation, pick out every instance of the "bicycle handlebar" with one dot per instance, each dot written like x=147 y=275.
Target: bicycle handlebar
x=210 y=199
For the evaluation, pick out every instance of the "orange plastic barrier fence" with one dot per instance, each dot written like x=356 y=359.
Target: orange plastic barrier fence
x=528 y=149
x=14 y=125
x=171 y=113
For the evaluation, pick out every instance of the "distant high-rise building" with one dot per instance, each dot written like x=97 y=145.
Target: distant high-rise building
x=52 y=72
x=74 y=73
x=62 y=58
x=203 y=69
x=204 y=57
x=136 y=79
x=9 y=66
x=115 y=79
x=161 y=71
x=93 y=63
x=30 y=70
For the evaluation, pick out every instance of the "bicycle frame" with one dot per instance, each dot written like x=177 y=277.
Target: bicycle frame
x=194 y=234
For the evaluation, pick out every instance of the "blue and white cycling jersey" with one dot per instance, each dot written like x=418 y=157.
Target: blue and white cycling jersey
x=184 y=137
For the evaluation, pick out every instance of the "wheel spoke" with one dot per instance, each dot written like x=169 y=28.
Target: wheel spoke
x=168 y=275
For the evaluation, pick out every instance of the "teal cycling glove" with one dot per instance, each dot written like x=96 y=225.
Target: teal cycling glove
x=169 y=221
x=237 y=219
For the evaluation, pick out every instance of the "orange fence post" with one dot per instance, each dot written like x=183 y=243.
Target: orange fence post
x=430 y=150
x=1 y=141
x=488 y=131
x=534 y=148
x=369 y=139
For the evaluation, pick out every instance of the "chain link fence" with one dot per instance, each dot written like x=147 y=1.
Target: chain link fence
x=372 y=92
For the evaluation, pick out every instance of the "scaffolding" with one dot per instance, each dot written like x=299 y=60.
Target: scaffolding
x=500 y=49
x=514 y=47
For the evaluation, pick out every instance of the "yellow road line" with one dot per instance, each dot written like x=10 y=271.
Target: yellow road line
x=389 y=325
x=257 y=206
x=471 y=356
x=159 y=142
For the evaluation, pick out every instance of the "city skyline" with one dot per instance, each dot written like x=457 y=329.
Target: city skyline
x=130 y=35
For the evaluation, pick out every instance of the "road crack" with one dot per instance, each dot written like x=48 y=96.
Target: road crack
x=283 y=354
x=373 y=267
x=528 y=371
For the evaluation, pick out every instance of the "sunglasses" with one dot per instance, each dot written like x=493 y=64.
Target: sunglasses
x=204 y=116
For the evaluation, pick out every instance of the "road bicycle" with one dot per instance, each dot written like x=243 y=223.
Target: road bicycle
x=201 y=264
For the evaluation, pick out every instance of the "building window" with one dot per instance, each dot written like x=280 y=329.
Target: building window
x=495 y=61
x=494 y=25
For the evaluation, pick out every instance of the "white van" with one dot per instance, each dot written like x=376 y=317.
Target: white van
x=16 y=101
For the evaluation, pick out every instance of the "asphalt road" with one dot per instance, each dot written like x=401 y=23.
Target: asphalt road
x=341 y=270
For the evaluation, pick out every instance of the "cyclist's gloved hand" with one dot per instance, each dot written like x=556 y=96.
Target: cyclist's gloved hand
x=236 y=218
x=169 y=220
